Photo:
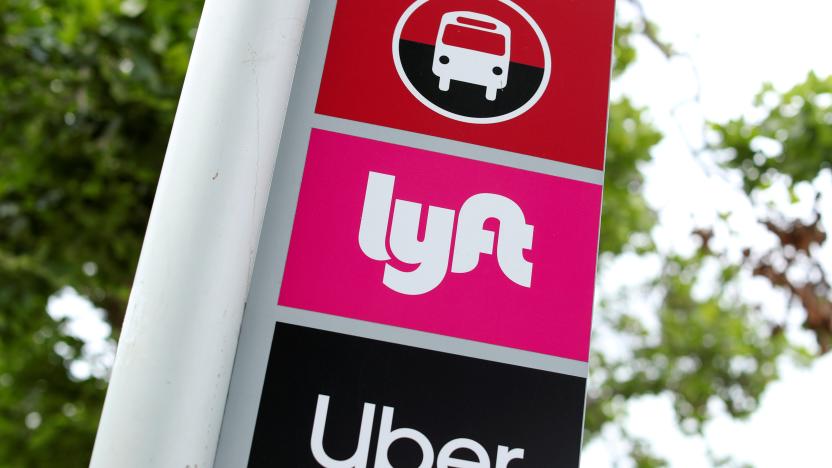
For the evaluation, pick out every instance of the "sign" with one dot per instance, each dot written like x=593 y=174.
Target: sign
x=406 y=407
x=422 y=293
x=553 y=109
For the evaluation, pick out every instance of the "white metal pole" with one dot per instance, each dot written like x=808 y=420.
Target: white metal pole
x=167 y=392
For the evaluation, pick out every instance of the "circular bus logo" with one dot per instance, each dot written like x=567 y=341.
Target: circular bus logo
x=483 y=61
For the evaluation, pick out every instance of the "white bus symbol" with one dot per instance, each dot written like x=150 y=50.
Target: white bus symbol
x=473 y=48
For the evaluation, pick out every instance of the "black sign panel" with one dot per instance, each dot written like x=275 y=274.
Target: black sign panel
x=337 y=401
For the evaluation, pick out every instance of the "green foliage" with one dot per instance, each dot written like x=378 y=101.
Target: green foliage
x=626 y=215
x=714 y=348
x=88 y=90
x=45 y=415
x=703 y=350
x=709 y=348
x=643 y=458
x=624 y=52
x=794 y=139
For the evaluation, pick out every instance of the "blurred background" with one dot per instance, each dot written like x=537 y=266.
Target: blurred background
x=714 y=310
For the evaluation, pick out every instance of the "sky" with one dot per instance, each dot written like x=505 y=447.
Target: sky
x=732 y=47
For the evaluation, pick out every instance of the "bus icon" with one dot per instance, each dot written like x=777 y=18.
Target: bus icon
x=472 y=48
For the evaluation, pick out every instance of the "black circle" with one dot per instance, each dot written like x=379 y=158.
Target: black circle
x=497 y=71
x=519 y=82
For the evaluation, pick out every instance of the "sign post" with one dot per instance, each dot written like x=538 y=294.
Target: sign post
x=168 y=387
x=423 y=289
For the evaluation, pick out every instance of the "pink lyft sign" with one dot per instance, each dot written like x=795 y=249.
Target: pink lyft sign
x=442 y=244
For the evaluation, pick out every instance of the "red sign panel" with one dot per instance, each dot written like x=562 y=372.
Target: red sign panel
x=542 y=68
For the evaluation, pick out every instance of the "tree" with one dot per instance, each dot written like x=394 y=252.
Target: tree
x=719 y=348
x=89 y=90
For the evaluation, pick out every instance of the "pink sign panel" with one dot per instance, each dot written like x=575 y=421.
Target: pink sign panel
x=431 y=242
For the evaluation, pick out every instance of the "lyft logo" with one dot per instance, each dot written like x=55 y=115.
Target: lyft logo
x=432 y=253
x=436 y=243
x=446 y=457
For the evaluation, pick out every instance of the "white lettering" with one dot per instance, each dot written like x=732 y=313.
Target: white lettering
x=514 y=237
x=386 y=437
x=505 y=456
x=359 y=458
x=372 y=233
x=433 y=253
x=445 y=460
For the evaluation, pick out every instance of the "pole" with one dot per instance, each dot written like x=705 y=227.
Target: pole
x=167 y=392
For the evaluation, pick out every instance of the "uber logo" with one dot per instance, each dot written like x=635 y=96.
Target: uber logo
x=332 y=400
x=432 y=253
x=386 y=437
